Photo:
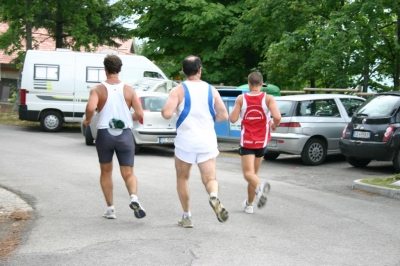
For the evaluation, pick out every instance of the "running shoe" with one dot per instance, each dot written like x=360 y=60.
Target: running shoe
x=261 y=192
x=137 y=209
x=220 y=211
x=247 y=208
x=186 y=222
x=109 y=214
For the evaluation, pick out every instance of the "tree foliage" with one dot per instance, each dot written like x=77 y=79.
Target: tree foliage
x=294 y=43
x=72 y=24
x=176 y=29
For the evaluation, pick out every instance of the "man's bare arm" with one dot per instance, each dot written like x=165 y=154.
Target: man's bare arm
x=219 y=106
x=171 y=104
x=137 y=106
x=91 y=106
x=234 y=115
x=275 y=113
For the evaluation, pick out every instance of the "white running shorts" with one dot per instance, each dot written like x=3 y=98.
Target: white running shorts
x=195 y=158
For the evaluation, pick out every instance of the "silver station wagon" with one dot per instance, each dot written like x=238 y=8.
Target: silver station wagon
x=152 y=129
x=311 y=125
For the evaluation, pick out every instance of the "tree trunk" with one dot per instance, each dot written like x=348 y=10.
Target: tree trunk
x=28 y=28
x=366 y=77
x=59 y=27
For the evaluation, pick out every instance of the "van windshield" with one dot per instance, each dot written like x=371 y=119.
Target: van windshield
x=379 y=106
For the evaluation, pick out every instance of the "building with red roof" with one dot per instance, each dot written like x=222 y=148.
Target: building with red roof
x=9 y=74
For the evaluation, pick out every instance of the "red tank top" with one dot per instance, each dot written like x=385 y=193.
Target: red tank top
x=255 y=132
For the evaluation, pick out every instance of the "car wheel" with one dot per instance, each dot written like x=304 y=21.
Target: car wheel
x=83 y=130
x=314 y=152
x=137 y=148
x=396 y=161
x=270 y=156
x=51 y=121
x=358 y=162
x=88 y=137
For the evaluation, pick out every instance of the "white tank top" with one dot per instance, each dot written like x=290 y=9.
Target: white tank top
x=115 y=107
x=196 y=132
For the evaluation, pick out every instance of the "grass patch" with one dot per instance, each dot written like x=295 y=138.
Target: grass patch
x=10 y=117
x=383 y=181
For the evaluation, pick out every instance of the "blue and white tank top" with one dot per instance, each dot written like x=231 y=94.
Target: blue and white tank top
x=196 y=115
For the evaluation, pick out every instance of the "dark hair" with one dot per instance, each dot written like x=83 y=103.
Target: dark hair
x=255 y=78
x=112 y=63
x=191 y=65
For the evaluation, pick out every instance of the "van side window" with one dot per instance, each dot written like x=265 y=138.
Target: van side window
x=150 y=74
x=46 y=72
x=95 y=74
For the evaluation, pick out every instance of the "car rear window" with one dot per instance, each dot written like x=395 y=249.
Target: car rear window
x=285 y=107
x=153 y=104
x=379 y=106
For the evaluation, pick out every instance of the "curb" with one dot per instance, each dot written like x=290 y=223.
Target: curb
x=383 y=191
x=11 y=202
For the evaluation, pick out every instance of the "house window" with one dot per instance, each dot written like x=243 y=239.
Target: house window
x=95 y=74
x=46 y=72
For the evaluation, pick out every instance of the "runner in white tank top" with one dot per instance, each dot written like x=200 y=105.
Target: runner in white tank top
x=113 y=99
x=198 y=106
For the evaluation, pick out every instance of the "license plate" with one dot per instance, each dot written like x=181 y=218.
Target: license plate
x=361 y=134
x=166 y=140
x=272 y=143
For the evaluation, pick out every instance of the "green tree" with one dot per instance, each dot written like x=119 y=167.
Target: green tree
x=176 y=29
x=321 y=44
x=72 y=24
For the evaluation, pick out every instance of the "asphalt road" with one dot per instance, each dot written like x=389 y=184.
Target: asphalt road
x=313 y=216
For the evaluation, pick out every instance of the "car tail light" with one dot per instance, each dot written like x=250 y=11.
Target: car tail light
x=388 y=133
x=141 y=119
x=344 y=131
x=22 y=98
x=291 y=124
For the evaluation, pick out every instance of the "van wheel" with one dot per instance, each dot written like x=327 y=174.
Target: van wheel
x=51 y=121
x=314 y=152
x=270 y=156
x=396 y=162
x=358 y=162
x=88 y=137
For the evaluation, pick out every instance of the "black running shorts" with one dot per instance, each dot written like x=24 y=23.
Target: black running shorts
x=122 y=144
x=255 y=152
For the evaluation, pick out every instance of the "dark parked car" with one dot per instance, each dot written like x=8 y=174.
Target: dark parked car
x=374 y=132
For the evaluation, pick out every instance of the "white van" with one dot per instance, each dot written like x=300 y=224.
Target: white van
x=55 y=85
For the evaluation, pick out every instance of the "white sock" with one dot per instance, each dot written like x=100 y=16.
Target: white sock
x=109 y=208
x=213 y=195
x=186 y=214
x=134 y=197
